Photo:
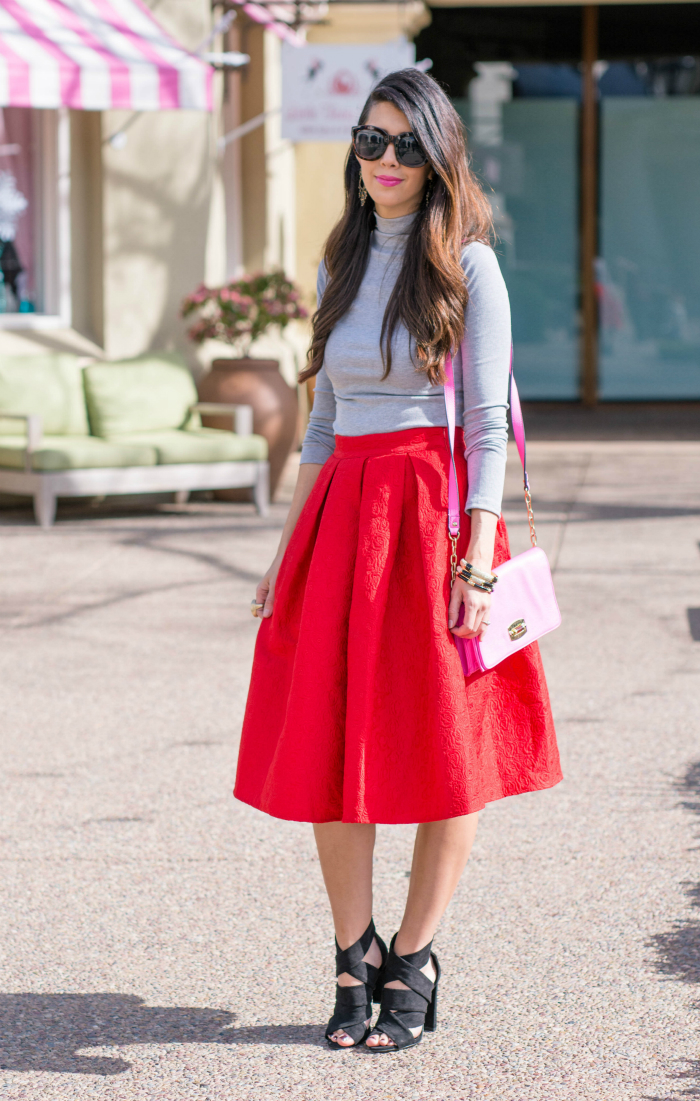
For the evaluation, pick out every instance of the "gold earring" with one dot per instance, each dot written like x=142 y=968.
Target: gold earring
x=429 y=192
x=362 y=192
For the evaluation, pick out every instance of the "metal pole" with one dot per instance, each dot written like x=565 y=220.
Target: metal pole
x=589 y=207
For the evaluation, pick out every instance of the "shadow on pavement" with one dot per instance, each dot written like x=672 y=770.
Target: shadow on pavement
x=45 y=1032
x=678 y=949
x=311 y=1035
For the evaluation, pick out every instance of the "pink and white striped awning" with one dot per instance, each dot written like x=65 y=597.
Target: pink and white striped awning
x=95 y=55
x=273 y=19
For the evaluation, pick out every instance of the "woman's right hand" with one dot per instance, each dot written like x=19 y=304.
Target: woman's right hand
x=265 y=592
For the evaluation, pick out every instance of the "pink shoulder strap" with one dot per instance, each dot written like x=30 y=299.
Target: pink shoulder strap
x=453 y=509
x=516 y=416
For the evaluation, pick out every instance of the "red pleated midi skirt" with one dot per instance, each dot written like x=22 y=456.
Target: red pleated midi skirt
x=358 y=709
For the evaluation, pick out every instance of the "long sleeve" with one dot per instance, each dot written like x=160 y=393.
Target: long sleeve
x=319 y=441
x=352 y=397
x=485 y=369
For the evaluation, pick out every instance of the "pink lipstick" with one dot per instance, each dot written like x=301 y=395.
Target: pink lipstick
x=388 y=181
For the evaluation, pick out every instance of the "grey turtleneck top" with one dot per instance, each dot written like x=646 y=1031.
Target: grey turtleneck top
x=352 y=399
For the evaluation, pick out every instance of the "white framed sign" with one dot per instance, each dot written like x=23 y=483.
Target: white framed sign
x=324 y=88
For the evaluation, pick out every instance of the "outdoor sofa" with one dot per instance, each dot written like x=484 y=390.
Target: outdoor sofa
x=73 y=430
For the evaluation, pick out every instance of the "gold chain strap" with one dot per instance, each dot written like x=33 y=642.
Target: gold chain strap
x=530 y=516
x=533 y=535
x=453 y=556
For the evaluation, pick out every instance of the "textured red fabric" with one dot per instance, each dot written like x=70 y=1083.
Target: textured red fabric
x=358 y=710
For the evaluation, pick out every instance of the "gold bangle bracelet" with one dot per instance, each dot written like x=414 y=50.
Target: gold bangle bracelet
x=467 y=566
x=480 y=586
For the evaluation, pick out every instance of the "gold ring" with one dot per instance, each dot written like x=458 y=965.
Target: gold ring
x=254 y=608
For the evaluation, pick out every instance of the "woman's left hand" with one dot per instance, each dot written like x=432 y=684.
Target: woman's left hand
x=476 y=610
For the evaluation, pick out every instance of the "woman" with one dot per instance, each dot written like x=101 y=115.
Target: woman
x=358 y=710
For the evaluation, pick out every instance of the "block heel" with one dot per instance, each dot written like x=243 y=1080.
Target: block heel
x=431 y=1014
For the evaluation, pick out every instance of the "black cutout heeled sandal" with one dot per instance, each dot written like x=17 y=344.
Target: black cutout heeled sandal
x=403 y=1010
x=353 y=1004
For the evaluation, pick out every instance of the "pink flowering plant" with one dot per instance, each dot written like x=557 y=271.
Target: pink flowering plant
x=243 y=310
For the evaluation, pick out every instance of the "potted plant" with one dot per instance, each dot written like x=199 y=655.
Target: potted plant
x=238 y=314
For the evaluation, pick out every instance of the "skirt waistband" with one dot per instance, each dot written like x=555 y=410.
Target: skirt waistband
x=405 y=442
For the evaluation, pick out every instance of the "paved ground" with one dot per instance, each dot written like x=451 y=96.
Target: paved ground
x=163 y=942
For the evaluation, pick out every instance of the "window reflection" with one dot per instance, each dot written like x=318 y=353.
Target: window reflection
x=648 y=276
x=17 y=189
x=523 y=130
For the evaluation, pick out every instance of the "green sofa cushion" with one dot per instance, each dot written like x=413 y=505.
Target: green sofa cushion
x=49 y=385
x=145 y=394
x=75 y=453
x=200 y=445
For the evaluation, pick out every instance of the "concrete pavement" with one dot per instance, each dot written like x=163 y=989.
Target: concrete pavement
x=162 y=942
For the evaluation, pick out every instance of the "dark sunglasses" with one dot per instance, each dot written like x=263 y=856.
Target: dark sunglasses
x=370 y=143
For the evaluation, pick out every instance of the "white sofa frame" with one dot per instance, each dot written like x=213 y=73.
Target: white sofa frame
x=45 y=487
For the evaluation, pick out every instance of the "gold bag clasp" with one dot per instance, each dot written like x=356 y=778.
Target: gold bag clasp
x=517 y=629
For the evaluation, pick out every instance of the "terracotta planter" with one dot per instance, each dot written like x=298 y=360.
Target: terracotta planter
x=255 y=382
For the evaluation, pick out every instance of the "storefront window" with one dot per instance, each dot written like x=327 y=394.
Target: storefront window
x=523 y=124
x=27 y=210
x=648 y=276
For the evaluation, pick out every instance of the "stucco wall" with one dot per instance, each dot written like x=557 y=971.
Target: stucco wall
x=157 y=192
x=156 y=209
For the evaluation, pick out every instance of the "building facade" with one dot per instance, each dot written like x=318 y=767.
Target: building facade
x=118 y=221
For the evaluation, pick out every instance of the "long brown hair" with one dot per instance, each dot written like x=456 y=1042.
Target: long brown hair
x=430 y=295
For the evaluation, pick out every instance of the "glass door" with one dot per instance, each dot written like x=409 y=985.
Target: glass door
x=522 y=123
x=648 y=276
x=539 y=252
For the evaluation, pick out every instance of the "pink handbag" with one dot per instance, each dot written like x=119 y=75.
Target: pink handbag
x=523 y=606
